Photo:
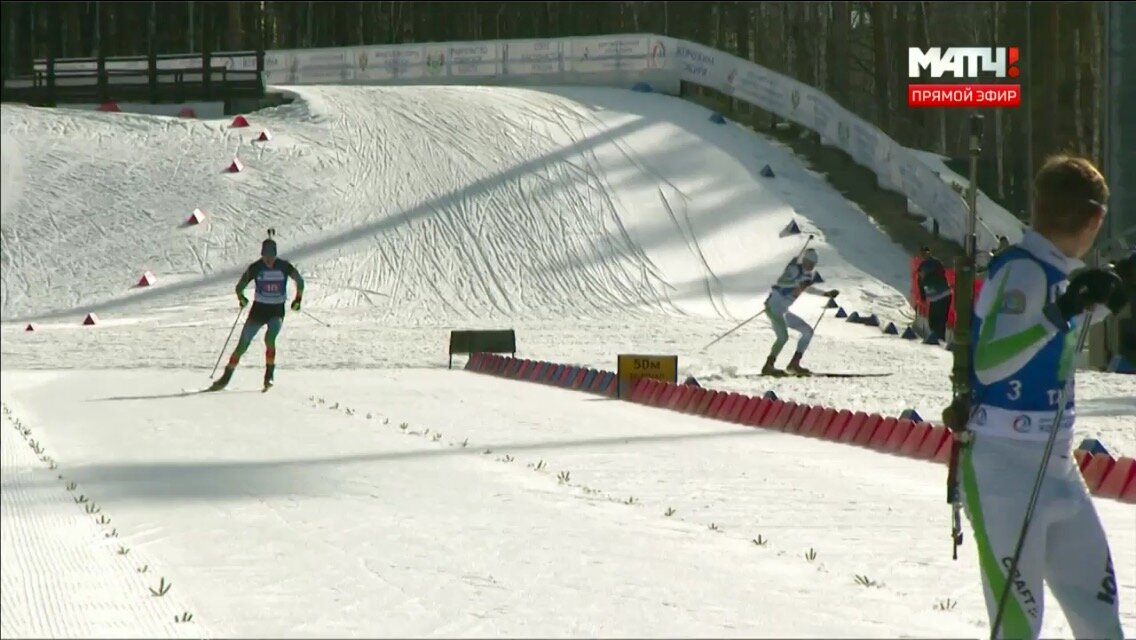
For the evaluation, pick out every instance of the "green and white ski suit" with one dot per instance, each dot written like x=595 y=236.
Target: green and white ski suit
x=1023 y=355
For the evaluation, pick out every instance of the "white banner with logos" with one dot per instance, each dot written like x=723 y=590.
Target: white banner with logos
x=896 y=167
x=533 y=57
x=546 y=59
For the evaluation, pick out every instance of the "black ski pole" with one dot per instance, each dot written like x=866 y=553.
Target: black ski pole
x=822 y=312
x=305 y=312
x=226 y=346
x=1049 y=444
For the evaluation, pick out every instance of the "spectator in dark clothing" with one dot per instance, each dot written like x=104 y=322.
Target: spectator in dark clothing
x=933 y=287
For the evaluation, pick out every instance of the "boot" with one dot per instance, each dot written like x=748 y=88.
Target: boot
x=769 y=369
x=795 y=367
x=223 y=381
x=269 y=373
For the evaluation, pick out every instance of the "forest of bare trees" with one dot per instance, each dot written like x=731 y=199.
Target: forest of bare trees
x=855 y=51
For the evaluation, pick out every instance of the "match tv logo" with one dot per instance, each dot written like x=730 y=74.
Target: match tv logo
x=968 y=77
x=963 y=63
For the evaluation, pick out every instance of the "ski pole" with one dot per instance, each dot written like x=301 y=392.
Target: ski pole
x=222 y=354
x=743 y=323
x=1049 y=444
x=305 y=312
x=821 y=317
x=759 y=313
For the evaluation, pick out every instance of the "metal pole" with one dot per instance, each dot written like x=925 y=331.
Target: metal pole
x=964 y=304
x=1028 y=103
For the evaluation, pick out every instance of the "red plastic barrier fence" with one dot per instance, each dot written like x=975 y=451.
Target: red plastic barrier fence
x=1105 y=476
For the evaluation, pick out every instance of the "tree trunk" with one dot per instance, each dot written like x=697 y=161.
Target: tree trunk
x=925 y=18
x=233 y=32
x=999 y=133
x=741 y=20
x=839 y=52
x=1078 y=108
x=1096 y=60
x=882 y=64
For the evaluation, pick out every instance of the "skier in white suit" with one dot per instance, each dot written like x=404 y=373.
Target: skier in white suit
x=1025 y=327
x=797 y=278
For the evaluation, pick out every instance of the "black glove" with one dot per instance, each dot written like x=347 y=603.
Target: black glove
x=832 y=293
x=1091 y=287
x=957 y=414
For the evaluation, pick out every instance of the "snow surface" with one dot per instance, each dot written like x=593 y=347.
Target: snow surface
x=592 y=221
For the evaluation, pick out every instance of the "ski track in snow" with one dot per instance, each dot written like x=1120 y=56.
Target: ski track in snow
x=57 y=554
x=591 y=221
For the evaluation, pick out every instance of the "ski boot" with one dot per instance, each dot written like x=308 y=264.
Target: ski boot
x=269 y=373
x=795 y=368
x=223 y=381
x=769 y=369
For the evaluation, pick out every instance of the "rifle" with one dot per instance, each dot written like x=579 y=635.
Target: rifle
x=958 y=414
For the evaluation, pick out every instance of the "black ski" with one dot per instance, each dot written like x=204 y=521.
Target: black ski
x=816 y=374
x=846 y=375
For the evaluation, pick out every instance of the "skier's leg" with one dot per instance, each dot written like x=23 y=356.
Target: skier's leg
x=248 y=332
x=937 y=321
x=775 y=311
x=796 y=323
x=274 y=326
x=1079 y=568
x=781 y=330
x=997 y=480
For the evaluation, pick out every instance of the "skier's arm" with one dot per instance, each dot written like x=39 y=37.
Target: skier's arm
x=827 y=293
x=1017 y=320
x=294 y=273
x=246 y=278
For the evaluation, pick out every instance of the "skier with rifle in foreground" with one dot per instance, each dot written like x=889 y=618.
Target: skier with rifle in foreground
x=271 y=277
x=1026 y=327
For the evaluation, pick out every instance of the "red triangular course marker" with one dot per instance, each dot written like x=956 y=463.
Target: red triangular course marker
x=236 y=166
x=197 y=217
x=90 y=319
x=187 y=112
x=111 y=107
x=29 y=328
x=264 y=136
x=240 y=121
x=146 y=280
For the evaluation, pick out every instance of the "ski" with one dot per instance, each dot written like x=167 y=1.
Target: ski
x=815 y=374
x=822 y=374
x=267 y=386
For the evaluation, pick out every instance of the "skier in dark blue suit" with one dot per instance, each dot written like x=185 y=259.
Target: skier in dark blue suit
x=270 y=274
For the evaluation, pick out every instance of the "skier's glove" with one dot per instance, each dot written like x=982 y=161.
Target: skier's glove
x=296 y=303
x=832 y=293
x=957 y=414
x=1092 y=287
x=242 y=300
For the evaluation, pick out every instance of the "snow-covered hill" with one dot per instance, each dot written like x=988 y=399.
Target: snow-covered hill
x=436 y=203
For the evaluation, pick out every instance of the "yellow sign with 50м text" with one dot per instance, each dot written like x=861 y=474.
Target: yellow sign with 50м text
x=630 y=367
